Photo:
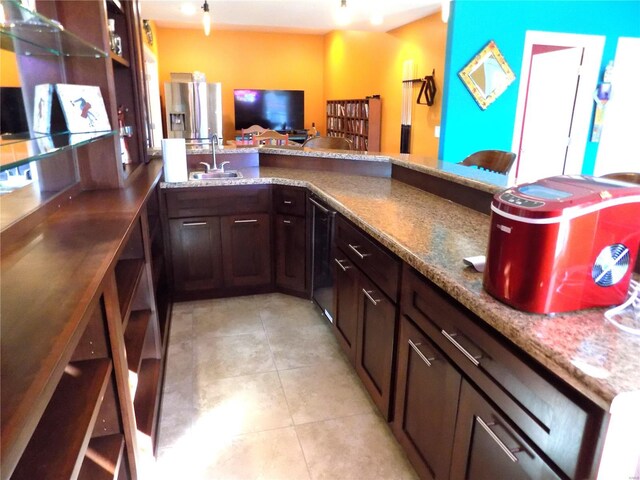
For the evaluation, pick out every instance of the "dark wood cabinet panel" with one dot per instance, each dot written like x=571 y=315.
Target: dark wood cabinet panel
x=561 y=423
x=373 y=259
x=290 y=200
x=347 y=296
x=246 y=246
x=426 y=402
x=486 y=446
x=223 y=200
x=196 y=250
x=376 y=342
x=290 y=253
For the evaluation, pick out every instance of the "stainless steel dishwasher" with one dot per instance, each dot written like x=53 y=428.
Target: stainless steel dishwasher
x=321 y=268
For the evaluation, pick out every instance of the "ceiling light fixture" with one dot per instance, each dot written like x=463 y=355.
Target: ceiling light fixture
x=343 y=14
x=446 y=8
x=206 y=18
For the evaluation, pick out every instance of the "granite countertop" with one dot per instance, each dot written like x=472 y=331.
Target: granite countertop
x=473 y=177
x=433 y=235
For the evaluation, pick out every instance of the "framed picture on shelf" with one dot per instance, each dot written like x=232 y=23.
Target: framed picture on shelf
x=83 y=107
x=42 y=108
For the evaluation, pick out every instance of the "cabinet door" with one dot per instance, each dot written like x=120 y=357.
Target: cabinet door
x=426 y=402
x=486 y=446
x=196 y=253
x=346 y=309
x=246 y=243
x=291 y=258
x=375 y=344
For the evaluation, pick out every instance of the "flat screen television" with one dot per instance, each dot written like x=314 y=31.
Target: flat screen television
x=281 y=110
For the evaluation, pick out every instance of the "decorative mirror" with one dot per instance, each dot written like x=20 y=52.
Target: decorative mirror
x=487 y=75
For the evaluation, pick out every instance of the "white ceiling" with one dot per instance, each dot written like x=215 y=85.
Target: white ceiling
x=306 y=16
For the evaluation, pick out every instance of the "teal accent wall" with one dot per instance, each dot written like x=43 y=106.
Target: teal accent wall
x=465 y=127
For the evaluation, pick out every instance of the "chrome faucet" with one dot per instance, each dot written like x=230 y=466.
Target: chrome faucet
x=214 y=166
x=214 y=144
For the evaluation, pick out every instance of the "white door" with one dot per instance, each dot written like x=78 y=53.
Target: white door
x=558 y=75
x=619 y=149
x=153 y=99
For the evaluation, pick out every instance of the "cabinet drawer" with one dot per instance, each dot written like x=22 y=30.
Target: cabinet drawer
x=373 y=259
x=290 y=201
x=561 y=422
x=223 y=200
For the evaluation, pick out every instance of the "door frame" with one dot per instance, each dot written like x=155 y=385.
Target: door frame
x=589 y=74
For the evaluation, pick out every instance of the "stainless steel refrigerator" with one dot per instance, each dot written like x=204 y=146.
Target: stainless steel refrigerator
x=193 y=111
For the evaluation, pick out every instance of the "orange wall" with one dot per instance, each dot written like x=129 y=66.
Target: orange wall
x=358 y=64
x=9 y=69
x=339 y=65
x=241 y=59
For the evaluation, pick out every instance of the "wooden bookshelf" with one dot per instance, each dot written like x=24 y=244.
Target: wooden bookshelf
x=356 y=119
x=128 y=275
x=103 y=457
x=57 y=447
x=134 y=337
x=147 y=399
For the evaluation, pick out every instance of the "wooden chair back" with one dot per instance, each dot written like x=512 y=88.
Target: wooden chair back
x=271 y=137
x=631 y=177
x=246 y=134
x=336 y=143
x=494 y=160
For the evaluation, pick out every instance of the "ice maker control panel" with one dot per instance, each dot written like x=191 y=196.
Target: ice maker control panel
x=519 y=201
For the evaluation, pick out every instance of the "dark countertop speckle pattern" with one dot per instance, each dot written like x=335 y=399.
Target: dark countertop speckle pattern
x=433 y=235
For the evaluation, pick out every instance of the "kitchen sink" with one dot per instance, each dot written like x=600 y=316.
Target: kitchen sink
x=214 y=175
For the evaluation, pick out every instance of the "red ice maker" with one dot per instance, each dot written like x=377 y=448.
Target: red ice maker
x=563 y=243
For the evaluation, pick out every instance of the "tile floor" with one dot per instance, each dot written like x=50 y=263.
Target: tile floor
x=257 y=388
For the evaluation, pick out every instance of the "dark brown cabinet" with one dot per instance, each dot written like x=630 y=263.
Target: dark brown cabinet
x=513 y=420
x=246 y=250
x=345 y=323
x=197 y=253
x=220 y=240
x=291 y=240
x=365 y=320
x=426 y=402
x=376 y=343
x=486 y=446
x=291 y=260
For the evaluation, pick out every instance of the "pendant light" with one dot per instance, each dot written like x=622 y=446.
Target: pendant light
x=206 y=19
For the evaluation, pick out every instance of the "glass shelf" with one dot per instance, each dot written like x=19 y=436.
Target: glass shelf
x=18 y=149
x=28 y=33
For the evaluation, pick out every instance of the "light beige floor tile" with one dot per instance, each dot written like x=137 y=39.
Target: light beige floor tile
x=322 y=391
x=178 y=414
x=220 y=357
x=181 y=327
x=180 y=362
x=273 y=454
x=252 y=402
x=228 y=318
x=355 y=447
x=303 y=346
x=285 y=314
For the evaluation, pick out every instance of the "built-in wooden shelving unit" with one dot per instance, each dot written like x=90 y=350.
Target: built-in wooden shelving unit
x=358 y=120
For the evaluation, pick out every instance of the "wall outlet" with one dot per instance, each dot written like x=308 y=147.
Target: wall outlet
x=436 y=131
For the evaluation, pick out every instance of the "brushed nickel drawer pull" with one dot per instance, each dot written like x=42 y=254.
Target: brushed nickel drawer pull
x=286 y=221
x=509 y=452
x=471 y=358
x=193 y=224
x=253 y=220
x=355 y=249
x=420 y=354
x=371 y=299
x=324 y=210
x=287 y=202
x=343 y=267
